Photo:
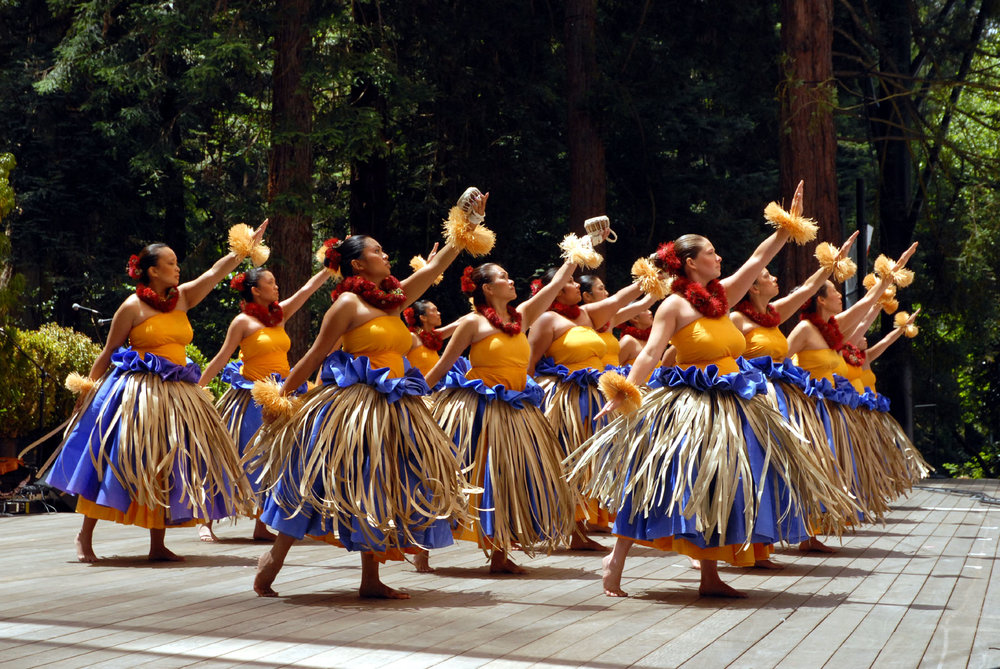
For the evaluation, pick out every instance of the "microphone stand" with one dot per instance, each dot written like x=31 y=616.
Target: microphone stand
x=41 y=370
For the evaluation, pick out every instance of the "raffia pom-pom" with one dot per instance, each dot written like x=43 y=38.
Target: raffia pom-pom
x=79 y=384
x=615 y=386
x=267 y=393
x=902 y=277
x=844 y=270
x=579 y=251
x=462 y=233
x=417 y=263
x=241 y=240
x=889 y=305
x=910 y=331
x=645 y=274
x=800 y=228
x=870 y=280
x=259 y=255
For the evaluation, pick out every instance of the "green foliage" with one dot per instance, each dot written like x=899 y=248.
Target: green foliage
x=59 y=351
x=215 y=385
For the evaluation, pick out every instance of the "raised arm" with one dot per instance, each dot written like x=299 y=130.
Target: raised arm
x=538 y=304
x=738 y=283
x=849 y=318
x=459 y=341
x=295 y=302
x=196 y=290
x=874 y=352
x=234 y=335
x=629 y=311
x=789 y=304
x=605 y=310
x=335 y=323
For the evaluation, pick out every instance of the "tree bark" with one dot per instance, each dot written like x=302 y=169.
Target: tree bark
x=588 y=178
x=289 y=187
x=808 y=144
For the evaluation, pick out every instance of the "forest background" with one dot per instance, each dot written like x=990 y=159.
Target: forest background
x=123 y=123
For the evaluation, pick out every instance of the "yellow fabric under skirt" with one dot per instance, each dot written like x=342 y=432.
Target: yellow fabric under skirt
x=736 y=555
x=141 y=516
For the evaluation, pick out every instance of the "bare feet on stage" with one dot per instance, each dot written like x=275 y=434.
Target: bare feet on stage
x=814 y=545
x=695 y=564
x=712 y=586
x=206 y=534
x=270 y=564
x=581 y=542
x=261 y=533
x=500 y=563
x=421 y=562
x=613 y=565
x=85 y=541
x=768 y=564
x=158 y=552
x=371 y=586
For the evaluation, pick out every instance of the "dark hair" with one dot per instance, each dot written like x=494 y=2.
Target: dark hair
x=485 y=273
x=550 y=274
x=250 y=279
x=149 y=257
x=351 y=249
x=684 y=247
x=811 y=306
x=420 y=308
x=587 y=282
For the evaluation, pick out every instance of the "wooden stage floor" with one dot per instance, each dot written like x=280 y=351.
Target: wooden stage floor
x=921 y=591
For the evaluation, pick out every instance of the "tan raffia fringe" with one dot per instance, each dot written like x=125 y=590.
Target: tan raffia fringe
x=166 y=422
x=523 y=456
x=703 y=437
x=365 y=451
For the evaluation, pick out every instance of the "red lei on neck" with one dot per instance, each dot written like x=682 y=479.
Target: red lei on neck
x=431 y=339
x=150 y=297
x=830 y=330
x=768 y=319
x=640 y=334
x=711 y=302
x=270 y=315
x=570 y=311
x=387 y=296
x=852 y=355
x=512 y=327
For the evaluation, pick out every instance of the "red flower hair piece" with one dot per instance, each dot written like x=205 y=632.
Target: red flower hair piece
x=238 y=282
x=133 y=267
x=536 y=286
x=410 y=318
x=668 y=259
x=331 y=259
x=468 y=285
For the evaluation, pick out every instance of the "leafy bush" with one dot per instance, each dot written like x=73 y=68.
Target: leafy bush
x=59 y=351
x=216 y=385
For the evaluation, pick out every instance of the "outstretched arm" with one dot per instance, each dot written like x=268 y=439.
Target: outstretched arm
x=789 y=304
x=878 y=349
x=196 y=290
x=335 y=322
x=459 y=341
x=739 y=282
x=605 y=310
x=234 y=335
x=295 y=302
x=538 y=304
x=849 y=319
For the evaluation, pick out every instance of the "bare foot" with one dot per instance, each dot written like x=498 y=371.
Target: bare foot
x=380 y=590
x=814 y=545
x=612 y=576
x=267 y=571
x=85 y=549
x=581 y=542
x=768 y=564
x=164 y=554
x=261 y=533
x=421 y=562
x=720 y=589
x=206 y=534
x=695 y=564
x=501 y=564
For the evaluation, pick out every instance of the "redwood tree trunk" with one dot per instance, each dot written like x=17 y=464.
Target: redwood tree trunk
x=289 y=186
x=588 y=180
x=808 y=143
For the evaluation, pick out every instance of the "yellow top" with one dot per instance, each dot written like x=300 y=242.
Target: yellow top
x=501 y=358
x=709 y=341
x=769 y=342
x=384 y=340
x=821 y=363
x=578 y=348
x=852 y=374
x=868 y=379
x=612 y=349
x=423 y=358
x=164 y=334
x=264 y=352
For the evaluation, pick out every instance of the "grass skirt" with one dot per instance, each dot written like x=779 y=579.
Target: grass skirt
x=699 y=468
x=507 y=448
x=148 y=448
x=362 y=459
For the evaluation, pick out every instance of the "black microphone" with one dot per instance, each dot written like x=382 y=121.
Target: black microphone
x=78 y=307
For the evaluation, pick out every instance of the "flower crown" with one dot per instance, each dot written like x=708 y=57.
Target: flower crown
x=468 y=285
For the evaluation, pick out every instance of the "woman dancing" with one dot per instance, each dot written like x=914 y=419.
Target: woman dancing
x=362 y=458
x=146 y=447
x=259 y=332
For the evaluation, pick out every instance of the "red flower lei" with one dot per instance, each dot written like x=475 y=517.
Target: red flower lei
x=640 y=334
x=150 y=297
x=431 y=339
x=768 y=319
x=270 y=315
x=852 y=355
x=570 y=311
x=711 y=302
x=386 y=296
x=512 y=327
x=834 y=339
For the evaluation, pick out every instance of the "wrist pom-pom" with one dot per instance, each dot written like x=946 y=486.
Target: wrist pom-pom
x=844 y=269
x=869 y=281
x=241 y=240
x=799 y=228
x=902 y=277
x=79 y=384
x=417 y=263
x=647 y=276
x=667 y=260
x=579 y=251
x=468 y=285
x=888 y=300
x=900 y=321
x=238 y=282
x=536 y=286
x=133 y=267
x=476 y=239
x=615 y=386
x=259 y=255
x=267 y=393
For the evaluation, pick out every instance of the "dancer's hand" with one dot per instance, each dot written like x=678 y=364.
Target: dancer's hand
x=846 y=246
x=913 y=317
x=901 y=263
x=479 y=203
x=258 y=234
x=796 y=207
x=609 y=406
x=434 y=251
